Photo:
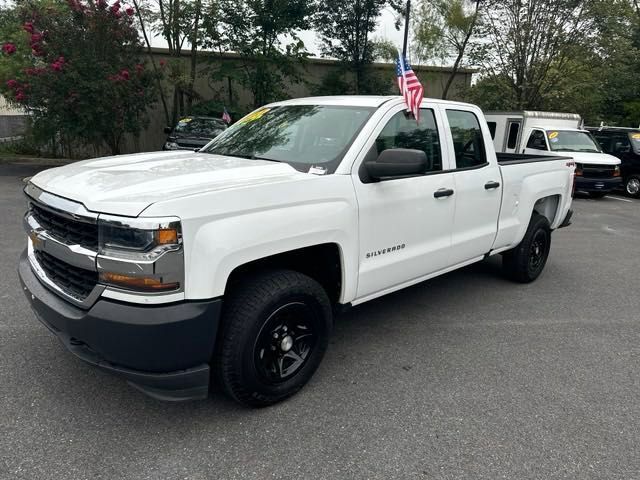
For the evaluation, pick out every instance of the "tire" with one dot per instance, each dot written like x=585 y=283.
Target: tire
x=525 y=262
x=632 y=186
x=597 y=194
x=275 y=331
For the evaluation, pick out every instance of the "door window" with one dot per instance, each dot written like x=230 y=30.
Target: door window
x=621 y=144
x=537 y=140
x=492 y=129
x=468 y=142
x=402 y=131
x=514 y=130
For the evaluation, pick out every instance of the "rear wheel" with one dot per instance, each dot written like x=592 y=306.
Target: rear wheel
x=276 y=328
x=597 y=194
x=525 y=262
x=632 y=186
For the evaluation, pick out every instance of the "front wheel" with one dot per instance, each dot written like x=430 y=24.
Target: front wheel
x=632 y=186
x=275 y=330
x=525 y=262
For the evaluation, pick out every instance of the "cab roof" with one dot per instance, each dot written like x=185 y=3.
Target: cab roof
x=354 y=100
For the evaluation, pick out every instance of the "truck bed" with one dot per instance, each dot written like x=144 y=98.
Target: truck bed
x=506 y=159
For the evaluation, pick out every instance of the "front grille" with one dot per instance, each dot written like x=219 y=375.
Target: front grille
x=76 y=281
x=65 y=229
x=598 y=171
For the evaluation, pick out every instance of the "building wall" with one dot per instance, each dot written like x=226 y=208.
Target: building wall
x=314 y=70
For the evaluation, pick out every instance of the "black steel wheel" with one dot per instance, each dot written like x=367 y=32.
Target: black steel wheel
x=275 y=331
x=525 y=262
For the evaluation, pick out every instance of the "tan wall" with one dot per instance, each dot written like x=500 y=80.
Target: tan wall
x=433 y=78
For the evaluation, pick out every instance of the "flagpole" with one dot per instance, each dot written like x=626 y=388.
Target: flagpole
x=406 y=29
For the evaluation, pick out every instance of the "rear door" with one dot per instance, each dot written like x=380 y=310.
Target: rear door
x=477 y=184
x=405 y=223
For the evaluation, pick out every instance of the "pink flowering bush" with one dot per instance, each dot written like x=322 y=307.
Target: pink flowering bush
x=77 y=67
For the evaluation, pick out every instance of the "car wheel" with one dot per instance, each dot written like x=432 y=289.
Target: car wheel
x=632 y=186
x=525 y=262
x=597 y=194
x=275 y=331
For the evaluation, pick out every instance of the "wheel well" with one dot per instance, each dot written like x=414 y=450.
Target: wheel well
x=548 y=207
x=320 y=262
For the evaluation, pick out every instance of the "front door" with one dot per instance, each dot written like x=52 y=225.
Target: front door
x=405 y=231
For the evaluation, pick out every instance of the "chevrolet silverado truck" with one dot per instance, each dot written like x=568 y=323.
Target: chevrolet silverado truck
x=177 y=270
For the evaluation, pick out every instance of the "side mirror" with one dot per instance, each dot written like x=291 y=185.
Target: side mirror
x=168 y=130
x=398 y=162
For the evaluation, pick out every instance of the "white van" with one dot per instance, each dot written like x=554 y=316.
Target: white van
x=530 y=132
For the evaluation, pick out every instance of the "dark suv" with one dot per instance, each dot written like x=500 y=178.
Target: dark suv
x=193 y=132
x=623 y=143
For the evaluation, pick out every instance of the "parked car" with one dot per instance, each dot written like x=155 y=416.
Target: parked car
x=193 y=132
x=623 y=143
x=166 y=267
x=551 y=133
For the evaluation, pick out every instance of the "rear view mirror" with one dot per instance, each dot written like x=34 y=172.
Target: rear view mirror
x=168 y=130
x=398 y=162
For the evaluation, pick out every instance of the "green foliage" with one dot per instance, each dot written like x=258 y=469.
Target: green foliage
x=345 y=28
x=76 y=70
x=264 y=35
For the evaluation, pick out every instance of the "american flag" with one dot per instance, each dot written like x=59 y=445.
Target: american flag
x=226 y=118
x=409 y=85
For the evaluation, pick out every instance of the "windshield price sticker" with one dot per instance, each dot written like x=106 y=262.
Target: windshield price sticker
x=185 y=120
x=553 y=135
x=253 y=116
x=636 y=136
x=317 y=170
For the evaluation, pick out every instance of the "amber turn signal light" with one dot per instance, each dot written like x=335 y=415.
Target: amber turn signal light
x=147 y=284
x=167 y=236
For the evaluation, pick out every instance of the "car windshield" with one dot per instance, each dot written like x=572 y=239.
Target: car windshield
x=572 y=141
x=304 y=136
x=200 y=127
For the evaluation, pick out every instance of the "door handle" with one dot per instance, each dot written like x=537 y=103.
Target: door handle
x=491 y=185
x=443 y=192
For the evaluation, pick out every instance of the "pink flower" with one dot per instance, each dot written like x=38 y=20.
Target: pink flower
x=9 y=48
x=130 y=11
x=115 y=8
x=101 y=4
x=163 y=62
x=34 y=71
x=12 y=84
x=58 y=64
x=139 y=68
x=20 y=96
x=28 y=27
x=124 y=74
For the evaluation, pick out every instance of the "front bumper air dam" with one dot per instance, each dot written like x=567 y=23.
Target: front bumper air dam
x=597 y=184
x=163 y=351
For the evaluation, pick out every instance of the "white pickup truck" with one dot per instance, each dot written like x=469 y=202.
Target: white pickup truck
x=172 y=268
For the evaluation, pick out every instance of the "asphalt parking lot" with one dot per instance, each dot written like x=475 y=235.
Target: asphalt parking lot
x=465 y=376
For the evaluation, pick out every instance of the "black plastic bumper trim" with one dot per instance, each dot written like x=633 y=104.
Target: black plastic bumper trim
x=163 y=350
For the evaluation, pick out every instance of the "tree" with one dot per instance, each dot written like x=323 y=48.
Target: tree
x=527 y=46
x=75 y=66
x=444 y=28
x=264 y=35
x=345 y=28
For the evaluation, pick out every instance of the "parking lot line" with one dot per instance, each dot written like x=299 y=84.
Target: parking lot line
x=621 y=199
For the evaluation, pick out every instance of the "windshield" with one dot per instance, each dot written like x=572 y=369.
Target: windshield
x=572 y=141
x=204 y=127
x=303 y=136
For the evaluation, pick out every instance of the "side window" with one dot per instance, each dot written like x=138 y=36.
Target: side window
x=492 y=129
x=621 y=144
x=514 y=129
x=537 y=140
x=402 y=131
x=468 y=142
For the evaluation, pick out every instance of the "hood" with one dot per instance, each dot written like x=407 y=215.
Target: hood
x=128 y=184
x=587 y=158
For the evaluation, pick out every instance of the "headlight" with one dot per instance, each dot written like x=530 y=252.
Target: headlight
x=140 y=254
x=171 y=146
